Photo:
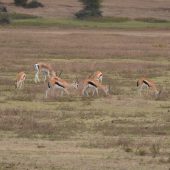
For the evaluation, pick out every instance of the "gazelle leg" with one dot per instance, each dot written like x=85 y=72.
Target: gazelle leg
x=37 y=77
x=48 y=74
x=17 y=85
x=97 y=92
x=47 y=91
x=66 y=91
x=45 y=74
x=141 y=88
x=21 y=84
x=87 y=94
x=94 y=90
x=147 y=88
x=45 y=78
x=85 y=90
x=62 y=93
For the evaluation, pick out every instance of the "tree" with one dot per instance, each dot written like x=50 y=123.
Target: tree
x=91 y=9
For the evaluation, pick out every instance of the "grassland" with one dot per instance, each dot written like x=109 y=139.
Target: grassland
x=120 y=131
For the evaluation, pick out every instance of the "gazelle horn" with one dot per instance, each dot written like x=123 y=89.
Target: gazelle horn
x=60 y=73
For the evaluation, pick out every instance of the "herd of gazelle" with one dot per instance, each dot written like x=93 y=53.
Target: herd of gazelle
x=92 y=82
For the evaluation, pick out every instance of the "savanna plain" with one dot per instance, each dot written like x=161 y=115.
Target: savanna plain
x=122 y=131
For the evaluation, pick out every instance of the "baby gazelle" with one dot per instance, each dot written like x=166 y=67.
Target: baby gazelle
x=20 y=78
x=45 y=69
x=94 y=86
x=97 y=76
x=144 y=83
x=58 y=83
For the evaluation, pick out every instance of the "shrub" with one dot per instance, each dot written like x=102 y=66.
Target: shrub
x=91 y=9
x=20 y=2
x=26 y=4
x=34 y=4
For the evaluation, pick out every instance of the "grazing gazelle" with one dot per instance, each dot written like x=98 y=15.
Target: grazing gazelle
x=97 y=76
x=144 y=83
x=58 y=83
x=20 y=78
x=45 y=69
x=95 y=86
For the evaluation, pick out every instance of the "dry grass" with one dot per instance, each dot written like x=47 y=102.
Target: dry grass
x=116 y=8
x=114 y=132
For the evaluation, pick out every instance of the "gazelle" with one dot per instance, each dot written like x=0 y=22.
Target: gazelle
x=20 y=78
x=45 y=69
x=97 y=76
x=95 y=86
x=58 y=83
x=144 y=83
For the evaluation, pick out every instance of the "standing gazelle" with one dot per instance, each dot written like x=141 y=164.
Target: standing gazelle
x=58 y=83
x=97 y=76
x=95 y=86
x=20 y=78
x=144 y=83
x=45 y=69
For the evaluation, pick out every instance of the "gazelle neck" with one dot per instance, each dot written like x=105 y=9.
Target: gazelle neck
x=53 y=73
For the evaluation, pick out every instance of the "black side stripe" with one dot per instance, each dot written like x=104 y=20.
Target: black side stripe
x=146 y=83
x=49 y=86
x=91 y=83
x=57 y=83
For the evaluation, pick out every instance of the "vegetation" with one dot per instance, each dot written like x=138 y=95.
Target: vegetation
x=120 y=131
x=26 y=4
x=115 y=23
x=18 y=16
x=20 y=2
x=4 y=18
x=91 y=9
x=34 y=4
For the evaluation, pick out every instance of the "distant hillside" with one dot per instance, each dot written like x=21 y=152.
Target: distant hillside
x=125 y=8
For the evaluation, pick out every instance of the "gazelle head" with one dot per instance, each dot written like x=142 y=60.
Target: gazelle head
x=61 y=71
x=100 y=79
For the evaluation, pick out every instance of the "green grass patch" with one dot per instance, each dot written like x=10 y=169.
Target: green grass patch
x=151 y=20
x=103 y=23
x=16 y=16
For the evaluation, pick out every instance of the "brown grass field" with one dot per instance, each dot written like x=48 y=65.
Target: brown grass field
x=118 y=132
x=119 y=8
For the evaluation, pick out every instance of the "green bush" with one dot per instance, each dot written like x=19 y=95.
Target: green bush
x=20 y=2
x=34 y=4
x=91 y=9
x=26 y=4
